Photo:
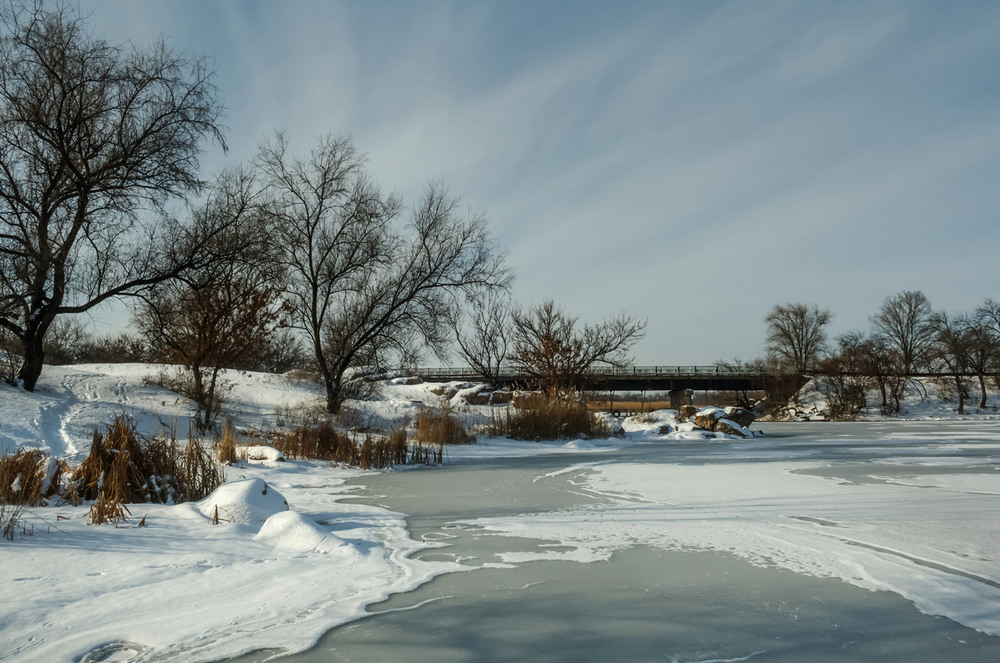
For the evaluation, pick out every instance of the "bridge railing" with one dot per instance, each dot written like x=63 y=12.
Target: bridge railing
x=465 y=372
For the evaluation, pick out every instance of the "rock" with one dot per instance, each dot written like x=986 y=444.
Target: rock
x=665 y=429
x=741 y=416
x=480 y=398
x=617 y=430
x=502 y=397
x=445 y=390
x=685 y=412
x=708 y=417
x=411 y=379
x=730 y=427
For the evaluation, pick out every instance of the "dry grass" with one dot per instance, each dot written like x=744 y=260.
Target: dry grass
x=540 y=417
x=29 y=476
x=225 y=445
x=12 y=521
x=442 y=427
x=323 y=442
x=124 y=467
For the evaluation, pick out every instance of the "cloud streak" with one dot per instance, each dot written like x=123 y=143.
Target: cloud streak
x=693 y=163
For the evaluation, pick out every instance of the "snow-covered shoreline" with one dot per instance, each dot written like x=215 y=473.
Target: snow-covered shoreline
x=182 y=588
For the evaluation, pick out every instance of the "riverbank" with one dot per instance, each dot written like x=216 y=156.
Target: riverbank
x=182 y=588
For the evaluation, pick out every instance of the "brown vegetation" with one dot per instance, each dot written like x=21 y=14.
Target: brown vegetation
x=540 y=417
x=442 y=427
x=322 y=442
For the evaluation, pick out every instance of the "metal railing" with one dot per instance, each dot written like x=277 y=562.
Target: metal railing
x=649 y=371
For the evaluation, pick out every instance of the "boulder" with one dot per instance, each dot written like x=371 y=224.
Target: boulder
x=479 y=398
x=741 y=416
x=730 y=427
x=665 y=429
x=685 y=412
x=502 y=397
x=445 y=390
x=708 y=417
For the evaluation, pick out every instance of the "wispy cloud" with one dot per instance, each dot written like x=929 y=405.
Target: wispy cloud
x=696 y=163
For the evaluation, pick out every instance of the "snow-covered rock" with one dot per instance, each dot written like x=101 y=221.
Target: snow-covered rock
x=293 y=532
x=248 y=502
x=259 y=452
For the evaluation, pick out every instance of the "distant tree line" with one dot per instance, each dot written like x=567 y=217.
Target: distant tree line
x=907 y=338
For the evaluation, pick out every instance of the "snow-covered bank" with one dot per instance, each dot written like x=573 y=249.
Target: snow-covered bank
x=183 y=588
x=923 y=399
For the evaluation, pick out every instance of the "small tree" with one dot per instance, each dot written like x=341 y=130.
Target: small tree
x=796 y=335
x=485 y=342
x=221 y=316
x=845 y=377
x=550 y=348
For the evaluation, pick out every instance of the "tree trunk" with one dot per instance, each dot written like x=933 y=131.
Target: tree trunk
x=961 y=394
x=34 y=357
x=982 y=389
x=333 y=389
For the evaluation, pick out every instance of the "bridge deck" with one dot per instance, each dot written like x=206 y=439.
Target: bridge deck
x=631 y=378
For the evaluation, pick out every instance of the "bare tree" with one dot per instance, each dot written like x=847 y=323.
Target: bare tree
x=904 y=322
x=407 y=306
x=222 y=315
x=549 y=347
x=94 y=137
x=796 y=335
x=485 y=342
x=333 y=227
x=952 y=347
x=845 y=378
x=984 y=346
x=360 y=288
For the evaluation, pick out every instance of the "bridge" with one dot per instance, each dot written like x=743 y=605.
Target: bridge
x=628 y=378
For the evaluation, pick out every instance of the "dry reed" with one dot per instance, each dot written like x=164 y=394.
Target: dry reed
x=124 y=467
x=323 y=442
x=539 y=417
x=442 y=427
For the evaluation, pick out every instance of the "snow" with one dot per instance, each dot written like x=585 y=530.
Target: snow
x=288 y=558
x=248 y=502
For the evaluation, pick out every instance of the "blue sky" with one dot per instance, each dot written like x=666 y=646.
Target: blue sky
x=691 y=163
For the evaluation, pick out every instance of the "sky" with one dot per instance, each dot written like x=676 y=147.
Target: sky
x=693 y=164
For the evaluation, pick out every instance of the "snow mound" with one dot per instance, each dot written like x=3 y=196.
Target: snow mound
x=260 y=452
x=291 y=531
x=248 y=502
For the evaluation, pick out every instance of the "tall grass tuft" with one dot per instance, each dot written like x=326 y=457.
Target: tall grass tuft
x=12 y=522
x=225 y=446
x=541 y=417
x=323 y=442
x=29 y=477
x=123 y=467
x=441 y=427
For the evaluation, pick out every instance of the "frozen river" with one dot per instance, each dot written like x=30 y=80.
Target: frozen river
x=820 y=542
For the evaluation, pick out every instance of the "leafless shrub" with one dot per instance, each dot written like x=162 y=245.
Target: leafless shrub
x=10 y=357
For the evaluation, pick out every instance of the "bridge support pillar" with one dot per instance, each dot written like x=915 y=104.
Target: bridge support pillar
x=679 y=397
